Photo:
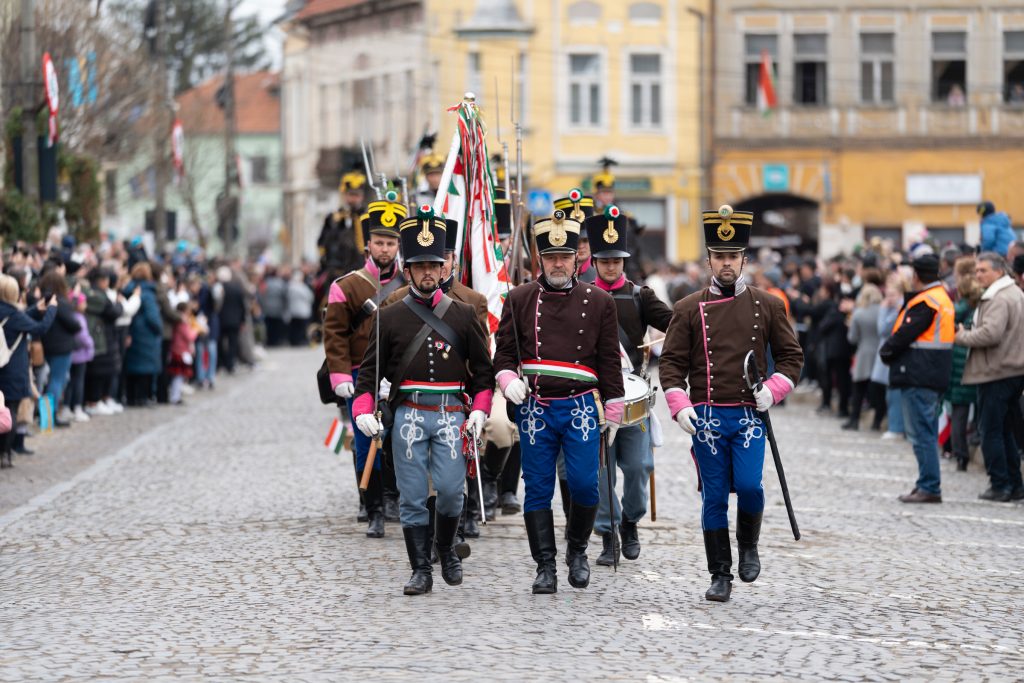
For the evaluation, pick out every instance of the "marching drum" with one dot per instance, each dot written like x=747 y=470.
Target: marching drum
x=637 y=400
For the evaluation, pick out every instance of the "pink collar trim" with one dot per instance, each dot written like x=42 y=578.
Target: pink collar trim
x=618 y=284
x=585 y=266
x=372 y=268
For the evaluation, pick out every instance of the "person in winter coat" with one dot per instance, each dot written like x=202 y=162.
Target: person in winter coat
x=183 y=352
x=18 y=329
x=300 y=303
x=834 y=351
x=84 y=351
x=59 y=340
x=170 y=316
x=206 y=345
x=101 y=313
x=962 y=396
x=273 y=298
x=996 y=365
x=232 y=316
x=142 y=360
x=996 y=231
x=863 y=334
x=888 y=311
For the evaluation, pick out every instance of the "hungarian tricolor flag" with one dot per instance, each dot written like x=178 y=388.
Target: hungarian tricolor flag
x=766 y=100
x=335 y=440
x=469 y=199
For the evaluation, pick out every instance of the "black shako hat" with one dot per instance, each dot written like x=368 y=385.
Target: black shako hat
x=423 y=237
x=727 y=229
x=557 y=235
x=382 y=216
x=577 y=206
x=608 y=233
x=451 y=233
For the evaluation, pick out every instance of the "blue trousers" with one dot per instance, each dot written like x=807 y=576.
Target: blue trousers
x=632 y=453
x=361 y=442
x=729 y=450
x=60 y=372
x=569 y=425
x=920 y=419
x=894 y=403
x=426 y=442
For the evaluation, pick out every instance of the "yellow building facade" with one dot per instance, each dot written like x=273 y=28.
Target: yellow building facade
x=889 y=121
x=588 y=79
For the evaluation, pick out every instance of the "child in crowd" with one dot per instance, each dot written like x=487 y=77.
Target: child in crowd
x=183 y=351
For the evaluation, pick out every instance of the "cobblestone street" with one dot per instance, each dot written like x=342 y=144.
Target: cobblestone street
x=219 y=540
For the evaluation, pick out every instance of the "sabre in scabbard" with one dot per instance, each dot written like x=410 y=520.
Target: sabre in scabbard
x=755 y=383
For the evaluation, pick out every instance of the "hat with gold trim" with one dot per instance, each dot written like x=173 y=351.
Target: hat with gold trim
x=502 y=214
x=352 y=181
x=557 y=235
x=577 y=206
x=605 y=180
x=383 y=216
x=432 y=163
x=727 y=229
x=423 y=237
x=607 y=233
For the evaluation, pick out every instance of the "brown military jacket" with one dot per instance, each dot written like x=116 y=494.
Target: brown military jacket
x=458 y=292
x=568 y=340
x=709 y=337
x=346 y=326
x=436 y=366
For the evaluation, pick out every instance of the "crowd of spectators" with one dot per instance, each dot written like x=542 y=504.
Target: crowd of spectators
x=93 y=329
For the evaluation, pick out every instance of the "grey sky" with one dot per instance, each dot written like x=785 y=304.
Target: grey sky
x=268 y=10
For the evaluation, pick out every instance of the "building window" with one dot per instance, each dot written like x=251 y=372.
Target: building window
x=585 y=90
x=644 y=13
x=645 y=90
x=1013 y=67
x=753 y=47
x=364 y=106
x=877 y=57
x=584 y=12
x=949 y=67
x=810 y=69
x=259 y=167
x=474 y=82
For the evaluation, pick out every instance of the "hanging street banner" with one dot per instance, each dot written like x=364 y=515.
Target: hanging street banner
x=52 y=96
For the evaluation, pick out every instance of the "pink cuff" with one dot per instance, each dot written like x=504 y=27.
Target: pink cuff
x=779 y=385
x=614 y=410
x=482 y=401
x=335 y=295
x=339 y=378
x=362 y=405
x=677 y=400
x=505 y=378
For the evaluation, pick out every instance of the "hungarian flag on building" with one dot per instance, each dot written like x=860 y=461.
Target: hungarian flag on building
x=469 y=199
x=766 y=100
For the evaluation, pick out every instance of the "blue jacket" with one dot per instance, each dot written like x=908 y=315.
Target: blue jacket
x=997 y=233
x=14 y=376
x=144 y=356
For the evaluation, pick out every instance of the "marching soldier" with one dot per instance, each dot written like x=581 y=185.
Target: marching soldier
x=579 y=208
x=637 y=308
x=710 y=335
x=561 y=335
x=341 y=240
x=432 y=352
x=351 y=303
x=431 y=168
x=604 y=196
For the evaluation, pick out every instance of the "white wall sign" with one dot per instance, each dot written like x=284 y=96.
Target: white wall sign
x=943 y=188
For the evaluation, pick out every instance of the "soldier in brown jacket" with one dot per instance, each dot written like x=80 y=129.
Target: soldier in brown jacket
x=351 y=302
x=561 y=335
x=432 y=352
x=702 y=374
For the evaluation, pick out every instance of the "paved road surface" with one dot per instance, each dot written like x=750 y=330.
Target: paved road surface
x=219 y=541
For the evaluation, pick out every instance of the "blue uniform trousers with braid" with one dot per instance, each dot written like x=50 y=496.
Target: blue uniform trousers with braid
x=547 y=427
x=729 y=450
x=360 y=441
x=428 y=442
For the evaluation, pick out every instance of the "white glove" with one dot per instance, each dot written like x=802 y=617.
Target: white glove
x=344 y=390
x=686 y=418
x=516 y=391
x=764 y=399
x=385 y=388
x=368 y=425
x=612 y=429
x=475 y=423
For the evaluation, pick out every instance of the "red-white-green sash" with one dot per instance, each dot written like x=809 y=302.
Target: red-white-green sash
x=557 y=368
x=410 y=386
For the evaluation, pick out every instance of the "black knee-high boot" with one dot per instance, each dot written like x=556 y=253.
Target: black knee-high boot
x=540 y=529
x=577 y=533
x=748 y=530
x=718 y=547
